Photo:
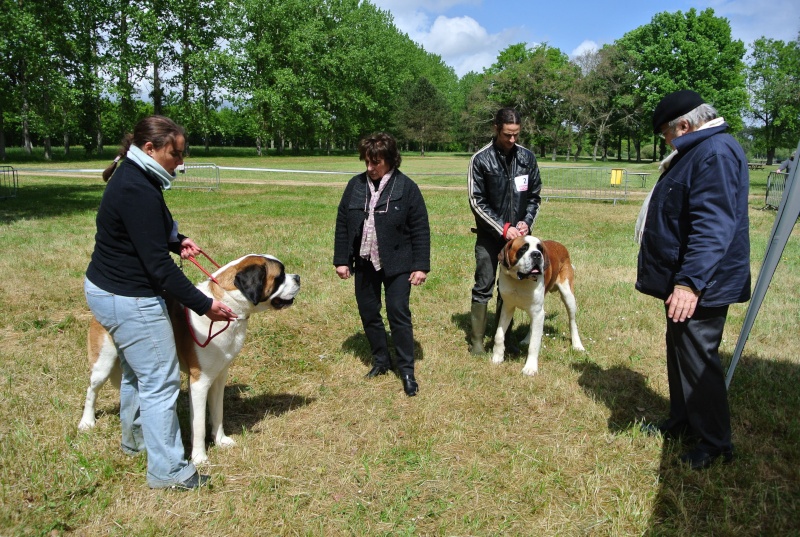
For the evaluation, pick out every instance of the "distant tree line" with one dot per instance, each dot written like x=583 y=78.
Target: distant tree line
x=318 y=74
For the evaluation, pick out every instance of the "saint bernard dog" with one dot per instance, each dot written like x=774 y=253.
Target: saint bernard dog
x=251 y=284
x=529 y=268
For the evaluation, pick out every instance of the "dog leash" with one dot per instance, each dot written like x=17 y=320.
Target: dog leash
x=198 y=265
x=186 y=310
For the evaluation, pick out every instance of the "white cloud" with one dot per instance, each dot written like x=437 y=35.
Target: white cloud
x=778 y=19
x=462 y=42
x=586 y=46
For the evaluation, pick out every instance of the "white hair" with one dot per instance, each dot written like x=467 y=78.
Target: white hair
x=697 y=117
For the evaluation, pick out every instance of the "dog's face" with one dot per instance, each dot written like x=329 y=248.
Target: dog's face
x=262 y=279
x=524 y=257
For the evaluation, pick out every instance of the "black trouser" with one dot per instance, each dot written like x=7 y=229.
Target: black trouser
x=697 y=392
x=486 y=251
x=368 y=296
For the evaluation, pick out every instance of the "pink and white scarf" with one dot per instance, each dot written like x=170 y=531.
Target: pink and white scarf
x=369 y=239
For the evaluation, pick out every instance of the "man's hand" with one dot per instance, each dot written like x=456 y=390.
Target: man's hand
x=512 y=233
x=682 y=303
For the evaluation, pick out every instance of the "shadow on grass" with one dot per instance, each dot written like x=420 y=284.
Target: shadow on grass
x=45 y=201
x=759 y=494
x=519 y=330
x=358 y=345
x=241 y=414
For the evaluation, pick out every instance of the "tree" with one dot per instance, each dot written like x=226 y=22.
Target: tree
x=424 y=114
x=536 y=81
x=684 y=51
x=773 y=79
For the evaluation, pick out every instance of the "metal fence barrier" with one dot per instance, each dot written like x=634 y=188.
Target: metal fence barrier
x=8 y=182
x=776 y=184
x=584 y=182
x=197 y=175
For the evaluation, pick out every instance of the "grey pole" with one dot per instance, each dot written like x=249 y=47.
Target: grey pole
x=788 y=212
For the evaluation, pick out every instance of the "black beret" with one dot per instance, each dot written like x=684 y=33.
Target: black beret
x=674 y=106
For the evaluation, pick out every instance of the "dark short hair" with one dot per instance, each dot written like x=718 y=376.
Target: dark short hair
x=507 y=116
x=380 y=146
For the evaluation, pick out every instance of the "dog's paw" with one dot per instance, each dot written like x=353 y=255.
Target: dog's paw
x=530 y=371
x=199 y=458
x=86 y=425
x=579 y=348
x=226 y=442
x=497 y=359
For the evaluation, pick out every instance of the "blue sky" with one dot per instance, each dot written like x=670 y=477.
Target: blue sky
x=468 y=34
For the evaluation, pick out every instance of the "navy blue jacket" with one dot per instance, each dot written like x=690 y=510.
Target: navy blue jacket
x=697 y=227
x=132 y=250
x=401 y=225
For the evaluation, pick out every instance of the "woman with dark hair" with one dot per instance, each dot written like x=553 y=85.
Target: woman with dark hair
x=383 y=238
x=130 y=268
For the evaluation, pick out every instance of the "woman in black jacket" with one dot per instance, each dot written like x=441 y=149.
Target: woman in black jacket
x=383 y=238
x=130 y=268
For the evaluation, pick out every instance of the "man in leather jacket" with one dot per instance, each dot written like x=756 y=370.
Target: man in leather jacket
x=504 y=195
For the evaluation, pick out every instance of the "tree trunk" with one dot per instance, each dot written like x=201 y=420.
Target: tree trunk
x=26 y=130
x=158 y=101
x=48 y=149
x=2 y=138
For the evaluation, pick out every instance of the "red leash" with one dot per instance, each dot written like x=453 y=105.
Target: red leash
x=210 y=326
x=193 y=260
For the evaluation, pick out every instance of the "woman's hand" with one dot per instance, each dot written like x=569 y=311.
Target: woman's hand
x=343 y=271
x=220 y=312
x=189 y=248
x=418 y=277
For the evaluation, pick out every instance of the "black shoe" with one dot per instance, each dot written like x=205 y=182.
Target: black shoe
x=668 y=429
x=376 y=370
x=194 y=482
x=700 y=459
x=410 y=385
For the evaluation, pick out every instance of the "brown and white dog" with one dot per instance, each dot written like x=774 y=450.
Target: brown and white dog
x=251 y=284
x=530 y=268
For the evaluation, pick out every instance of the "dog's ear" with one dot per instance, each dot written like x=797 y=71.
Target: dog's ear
x=250 y=281
x=503 y=256
x=545 y=257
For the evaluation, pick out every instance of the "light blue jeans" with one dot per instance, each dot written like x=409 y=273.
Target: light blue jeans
x=142 y=333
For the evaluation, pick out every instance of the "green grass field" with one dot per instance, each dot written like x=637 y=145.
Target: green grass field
x=483 y=450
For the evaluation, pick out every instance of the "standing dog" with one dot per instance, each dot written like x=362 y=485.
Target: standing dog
x=251 y=284
x=529 y=269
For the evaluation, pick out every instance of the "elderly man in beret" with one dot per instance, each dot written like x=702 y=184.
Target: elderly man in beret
x=695 y=256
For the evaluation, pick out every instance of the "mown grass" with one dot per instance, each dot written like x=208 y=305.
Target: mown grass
x=482 y=450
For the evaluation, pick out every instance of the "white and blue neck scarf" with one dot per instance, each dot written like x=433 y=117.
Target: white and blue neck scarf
x=149 y=165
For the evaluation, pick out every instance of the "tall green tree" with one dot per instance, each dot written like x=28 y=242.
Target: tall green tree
x=684 y=51
x=536 y=81
x=773 y=81
x=87 y=25
x=424 y=115
x=477 y=111
x=203 y=63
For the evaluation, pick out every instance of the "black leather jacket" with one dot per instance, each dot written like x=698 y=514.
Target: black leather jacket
x=503 y=193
